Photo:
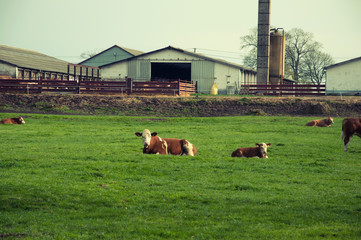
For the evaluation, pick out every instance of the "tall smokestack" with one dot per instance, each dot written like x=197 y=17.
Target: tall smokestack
x=263 y=42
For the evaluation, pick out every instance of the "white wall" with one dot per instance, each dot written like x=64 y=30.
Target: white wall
x=345 y=78
x=226 y=76
x=114 y=71
x=8 y=70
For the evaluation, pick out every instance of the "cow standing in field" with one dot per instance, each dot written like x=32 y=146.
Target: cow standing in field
x=350 y=127
x=154 y=144
x=321 y=122
x=18 y=120
x=260 y=151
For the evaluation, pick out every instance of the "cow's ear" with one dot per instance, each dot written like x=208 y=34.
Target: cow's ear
x=154 y=134
x=138 y=134
x=268 y=144
x=257 y=144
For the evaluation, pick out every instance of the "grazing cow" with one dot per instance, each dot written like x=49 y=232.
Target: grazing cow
x=350 y=126
x=260 y=151
x=154 y=144
x=321 y=122
x=18 y=120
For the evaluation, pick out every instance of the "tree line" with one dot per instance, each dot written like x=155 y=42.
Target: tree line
x=304 y=59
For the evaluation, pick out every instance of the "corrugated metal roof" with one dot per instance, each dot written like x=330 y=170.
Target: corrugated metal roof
x=32 y=60
x=191 y=54
x=131 y=51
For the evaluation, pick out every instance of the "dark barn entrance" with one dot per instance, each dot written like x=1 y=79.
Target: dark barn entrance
x=171 y=71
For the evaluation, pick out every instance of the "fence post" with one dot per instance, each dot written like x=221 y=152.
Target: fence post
x=40 y=82
x=281 y=89
x=318 y=90
x=179 y=88
x=78 y=85
x=129 y=87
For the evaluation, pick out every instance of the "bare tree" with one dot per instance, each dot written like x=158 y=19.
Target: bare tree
x=302 y=55
x=314 y=66
x=249 y=42
x=298 y=44
x=88 y=54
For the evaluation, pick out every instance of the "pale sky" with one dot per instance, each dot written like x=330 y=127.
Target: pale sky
x=66 y=28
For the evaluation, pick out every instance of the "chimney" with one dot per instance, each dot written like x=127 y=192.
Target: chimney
x=263 y=41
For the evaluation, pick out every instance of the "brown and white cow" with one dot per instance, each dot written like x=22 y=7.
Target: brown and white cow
x=18 y=120
x=260 y=151
x=321 y=122
x=350 y=127
x=154 y=144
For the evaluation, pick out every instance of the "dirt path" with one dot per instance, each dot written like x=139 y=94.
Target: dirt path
x=203 y=106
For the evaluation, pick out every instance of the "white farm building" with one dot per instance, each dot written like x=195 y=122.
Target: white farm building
x=171 y=63
x=344 y=78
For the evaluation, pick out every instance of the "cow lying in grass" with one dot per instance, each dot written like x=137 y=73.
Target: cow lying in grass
x=260 y=151
x=321 y=122
x=350 y=127
x=18 y=120
x=154 y=144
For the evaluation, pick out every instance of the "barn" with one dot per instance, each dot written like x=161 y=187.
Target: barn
x=27 y=64
x=344 y=78
x=172 y=63
x=112 y=54
x=18 y=63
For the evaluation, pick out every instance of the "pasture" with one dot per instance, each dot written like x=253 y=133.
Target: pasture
x=85 y=177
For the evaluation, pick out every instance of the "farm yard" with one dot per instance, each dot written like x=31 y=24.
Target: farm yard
x=85 y=177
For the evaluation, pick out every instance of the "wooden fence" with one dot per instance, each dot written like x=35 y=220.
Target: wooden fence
x=128 y=86
x=285 y=89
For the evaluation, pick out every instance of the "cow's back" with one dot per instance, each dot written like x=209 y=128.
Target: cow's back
x=174 y=146
x=351 y=126
x=180 y=147
x=237 y=153
x=10 y=121
x=247 y=152
x=311 y=123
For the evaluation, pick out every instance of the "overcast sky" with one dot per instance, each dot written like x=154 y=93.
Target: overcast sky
x=67 y=28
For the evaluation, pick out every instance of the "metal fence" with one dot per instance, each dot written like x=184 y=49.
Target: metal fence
x=285 y=89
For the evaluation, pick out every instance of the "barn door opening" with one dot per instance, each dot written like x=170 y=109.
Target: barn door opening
x=170 y=71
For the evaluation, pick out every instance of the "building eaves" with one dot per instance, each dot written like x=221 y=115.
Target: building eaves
x=342 y=63
x=128 y=50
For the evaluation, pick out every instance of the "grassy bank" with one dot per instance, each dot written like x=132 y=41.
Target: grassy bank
x=85 y=177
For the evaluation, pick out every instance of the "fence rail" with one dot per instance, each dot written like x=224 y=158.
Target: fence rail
x=178 y=87
x=285 y=89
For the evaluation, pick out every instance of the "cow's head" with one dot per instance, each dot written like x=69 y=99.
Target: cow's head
x=21 y=120
x=263 y=148
x=330 y=120
x=146 y=136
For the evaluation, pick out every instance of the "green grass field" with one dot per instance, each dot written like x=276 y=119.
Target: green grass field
x=85 y=177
